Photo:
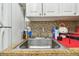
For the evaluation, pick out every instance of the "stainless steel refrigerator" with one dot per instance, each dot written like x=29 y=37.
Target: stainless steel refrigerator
x=11 y=24
x=5 y=25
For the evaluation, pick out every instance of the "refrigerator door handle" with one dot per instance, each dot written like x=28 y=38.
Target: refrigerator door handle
x=3 y=39
x=2 y=36
x=1 y=25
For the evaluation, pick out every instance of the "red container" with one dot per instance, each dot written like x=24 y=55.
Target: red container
x=77 y=28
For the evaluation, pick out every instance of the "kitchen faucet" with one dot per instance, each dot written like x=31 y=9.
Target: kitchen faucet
x=42 y=30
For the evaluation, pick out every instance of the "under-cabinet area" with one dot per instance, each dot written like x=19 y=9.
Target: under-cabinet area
x=39 y=26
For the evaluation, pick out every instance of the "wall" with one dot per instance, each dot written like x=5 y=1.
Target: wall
x=37 y=27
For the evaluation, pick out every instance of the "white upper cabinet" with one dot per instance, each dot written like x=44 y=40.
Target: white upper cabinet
x=67 y=9
x=33 y=9
x=77 y=9
x=51 y=9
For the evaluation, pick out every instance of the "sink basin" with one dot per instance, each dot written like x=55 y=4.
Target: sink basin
x=39 y=43
x=39 y=37
x=35 y=43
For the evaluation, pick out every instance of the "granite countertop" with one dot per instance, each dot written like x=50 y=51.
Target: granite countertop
x=12 y=52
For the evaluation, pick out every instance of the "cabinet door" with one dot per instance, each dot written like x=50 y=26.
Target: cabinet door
x=6 y=38
x=5 y=19
x=1 y=38
x=68 y=9
x=0 y=12
x=77 y=9
x=51 y=9
x=0 y=28
x=33 y=9
x=7 y=14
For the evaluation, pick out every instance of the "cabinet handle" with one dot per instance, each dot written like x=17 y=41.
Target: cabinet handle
x=74 y=13
x=40 y=14
x=2 y=38
x=44 y=13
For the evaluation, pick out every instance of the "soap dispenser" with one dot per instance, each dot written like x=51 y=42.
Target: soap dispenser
x=25 y=35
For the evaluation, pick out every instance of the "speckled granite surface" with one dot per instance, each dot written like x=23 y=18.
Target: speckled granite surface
x=42 y=52
x=66 y=52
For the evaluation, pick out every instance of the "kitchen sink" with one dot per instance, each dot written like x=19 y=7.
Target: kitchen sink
x=35 y=43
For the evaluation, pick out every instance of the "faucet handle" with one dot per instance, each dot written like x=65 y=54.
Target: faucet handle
x=43 y=29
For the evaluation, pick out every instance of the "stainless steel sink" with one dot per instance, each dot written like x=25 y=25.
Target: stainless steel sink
x=39 y=42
